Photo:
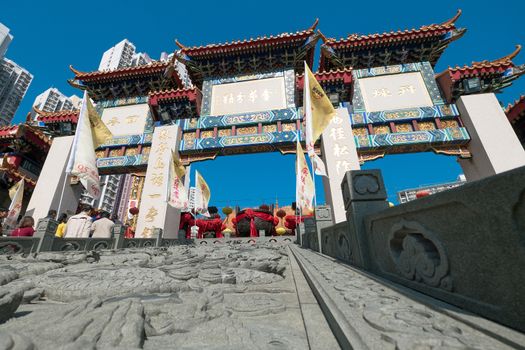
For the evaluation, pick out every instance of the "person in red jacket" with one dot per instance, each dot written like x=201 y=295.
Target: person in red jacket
x=25 y=229
x=186 y=222
x=214 y=224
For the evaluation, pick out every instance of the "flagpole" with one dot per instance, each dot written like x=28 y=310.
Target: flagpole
x=313 y=178
x=297 y=202
x=62 y=194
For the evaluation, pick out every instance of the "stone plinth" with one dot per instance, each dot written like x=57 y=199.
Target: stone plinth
x=494 y=145
x=48 y=190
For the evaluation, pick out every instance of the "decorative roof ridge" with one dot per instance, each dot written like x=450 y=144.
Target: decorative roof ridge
x=453 y=20
x=20 y=175
x=310 y=30
x=15 y=127
x=449 y=24
x=55 y=114
x=510 y=106
x=324 y=38
x=153 y=64
x=332 y=71
x=167 y=91
x=10 y=127
x=503 y=61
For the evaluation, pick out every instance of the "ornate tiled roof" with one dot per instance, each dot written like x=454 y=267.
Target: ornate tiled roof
x=495 y=75
x=483 y=67
x=396 y=47
x=57 y=117
x=156 y=67
x=516 y=110
x=26 y=132
x=17 y=176
x=394 y=37
x=247 y=45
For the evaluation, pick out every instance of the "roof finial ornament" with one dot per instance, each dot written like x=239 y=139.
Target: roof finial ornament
x=77 y=72
x=323 y=37
x=312 y=28
x=510 y=56
x=39 y=112
x=453 y=19
x=76 y=85
x=182 y=47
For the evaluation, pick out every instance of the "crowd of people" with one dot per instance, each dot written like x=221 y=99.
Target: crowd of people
x=97 y=224
x=87 y=223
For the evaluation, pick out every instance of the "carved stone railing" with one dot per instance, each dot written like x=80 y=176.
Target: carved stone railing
x=18 y=245
x=465 y=246
x=311 y=235
x=45 y=240
x=239 y=240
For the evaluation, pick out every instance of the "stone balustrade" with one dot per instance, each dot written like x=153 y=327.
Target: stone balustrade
x=45 y=240
x=465 y=246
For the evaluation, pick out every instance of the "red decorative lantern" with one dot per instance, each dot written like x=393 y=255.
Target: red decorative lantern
x=422 y=193
x=134 y=211
x=280 y=213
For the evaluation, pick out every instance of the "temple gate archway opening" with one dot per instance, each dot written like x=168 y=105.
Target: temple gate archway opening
x=411 y=171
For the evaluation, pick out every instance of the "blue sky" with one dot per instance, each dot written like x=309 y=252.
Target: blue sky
x=50 y=35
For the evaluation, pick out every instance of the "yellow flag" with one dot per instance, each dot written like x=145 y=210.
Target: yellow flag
x=305 y=191
x=178 y=194
x=178 y=167
x=203 y=191
x=99 y=130
x=13 y=189
x=318 y=109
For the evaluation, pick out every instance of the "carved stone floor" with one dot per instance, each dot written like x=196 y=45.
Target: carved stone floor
x=238 y=296
x=220 y=297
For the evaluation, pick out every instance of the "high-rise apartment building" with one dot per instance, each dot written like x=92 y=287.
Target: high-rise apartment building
x=14 y=82
x=110 y=185
x=140 y=59
x=120 y=55
x=52 y=100
x=123 y=55
x=5 y=39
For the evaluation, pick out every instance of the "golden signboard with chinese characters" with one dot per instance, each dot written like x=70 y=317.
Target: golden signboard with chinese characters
x=396 y=91
x=126 y=120
x=248 y=96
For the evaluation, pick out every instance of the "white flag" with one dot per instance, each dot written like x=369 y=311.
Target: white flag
x=202 y=195
x=82 y=160
x=16 y=204
x=304 y=190
x=318 y=165
x=317 y=162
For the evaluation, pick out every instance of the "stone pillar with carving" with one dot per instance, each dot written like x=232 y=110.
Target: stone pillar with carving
x=323 y=218
x=364 y=193
x=309 y=233
x=154 y=209
x=340 y=155
x=117 y=232
x=45 y=230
